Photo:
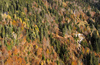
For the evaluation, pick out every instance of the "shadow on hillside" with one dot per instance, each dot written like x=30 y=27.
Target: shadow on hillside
x=97 y=5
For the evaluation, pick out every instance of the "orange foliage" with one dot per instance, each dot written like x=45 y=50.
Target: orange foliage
x=95 y=53
x=74 y=63
x=89 y=7
x=9 y=61
x=39 y=51
x=92 y=13
x=83 y=50
x=9 y=52
x=30 y=13
x=37 y=63
x=15 y=61
x=81 y=26
x=24 y=40
x=74 y=28
x=14 y=23
x=72 y=17
x=40 y=56
x=25 y=9
x=55 y=55
x=9 y=43
x=3 y=49
x=15 y=50
x=53 y=63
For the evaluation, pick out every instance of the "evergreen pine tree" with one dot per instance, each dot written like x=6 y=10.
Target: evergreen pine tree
x=41 y=33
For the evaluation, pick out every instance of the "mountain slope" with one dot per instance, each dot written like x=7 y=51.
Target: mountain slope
x=49 y=32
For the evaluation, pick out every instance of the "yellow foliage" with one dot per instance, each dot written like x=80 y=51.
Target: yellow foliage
x=24 y=24
x=22 y=28
x=36 y=46
x=36 y=28
x=97 y=33
x=74 y=63
x=26 y=19
x=64 y=4
x=35 y=25
x=16 y=11
x=87 y=51
x=27 y=24
x=34 y=34
x=42 y=63
x=48 y=61
x=20 y=20
x=9 y=17
x=23 y=13
x=15 y=16
x=4 y=16
x=74 y=28
x=14 y=23
x=47 y=51
x=68 y=41
x=71 y=11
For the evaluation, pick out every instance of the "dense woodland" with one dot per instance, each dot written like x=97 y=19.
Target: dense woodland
x=49 y=32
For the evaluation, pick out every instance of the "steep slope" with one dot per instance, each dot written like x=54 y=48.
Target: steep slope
x=49 y=32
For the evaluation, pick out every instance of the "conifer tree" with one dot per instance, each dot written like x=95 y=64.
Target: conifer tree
x=41 y=33
x=3 y=33
x=64 y=30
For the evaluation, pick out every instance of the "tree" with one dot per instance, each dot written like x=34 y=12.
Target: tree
x=64 y=30
x=95 y=42
x=96 y=47
x=88 y=13
x=93 y=59
x=90 y=59
x=57 y=46
x=64 y=53
x=37 y=31
x=41 y=33
x=50 y=1
x=0 y=17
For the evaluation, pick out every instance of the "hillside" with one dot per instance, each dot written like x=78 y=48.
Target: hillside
x=49 y=32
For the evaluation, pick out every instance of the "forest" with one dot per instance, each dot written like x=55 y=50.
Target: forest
x=49 y=32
